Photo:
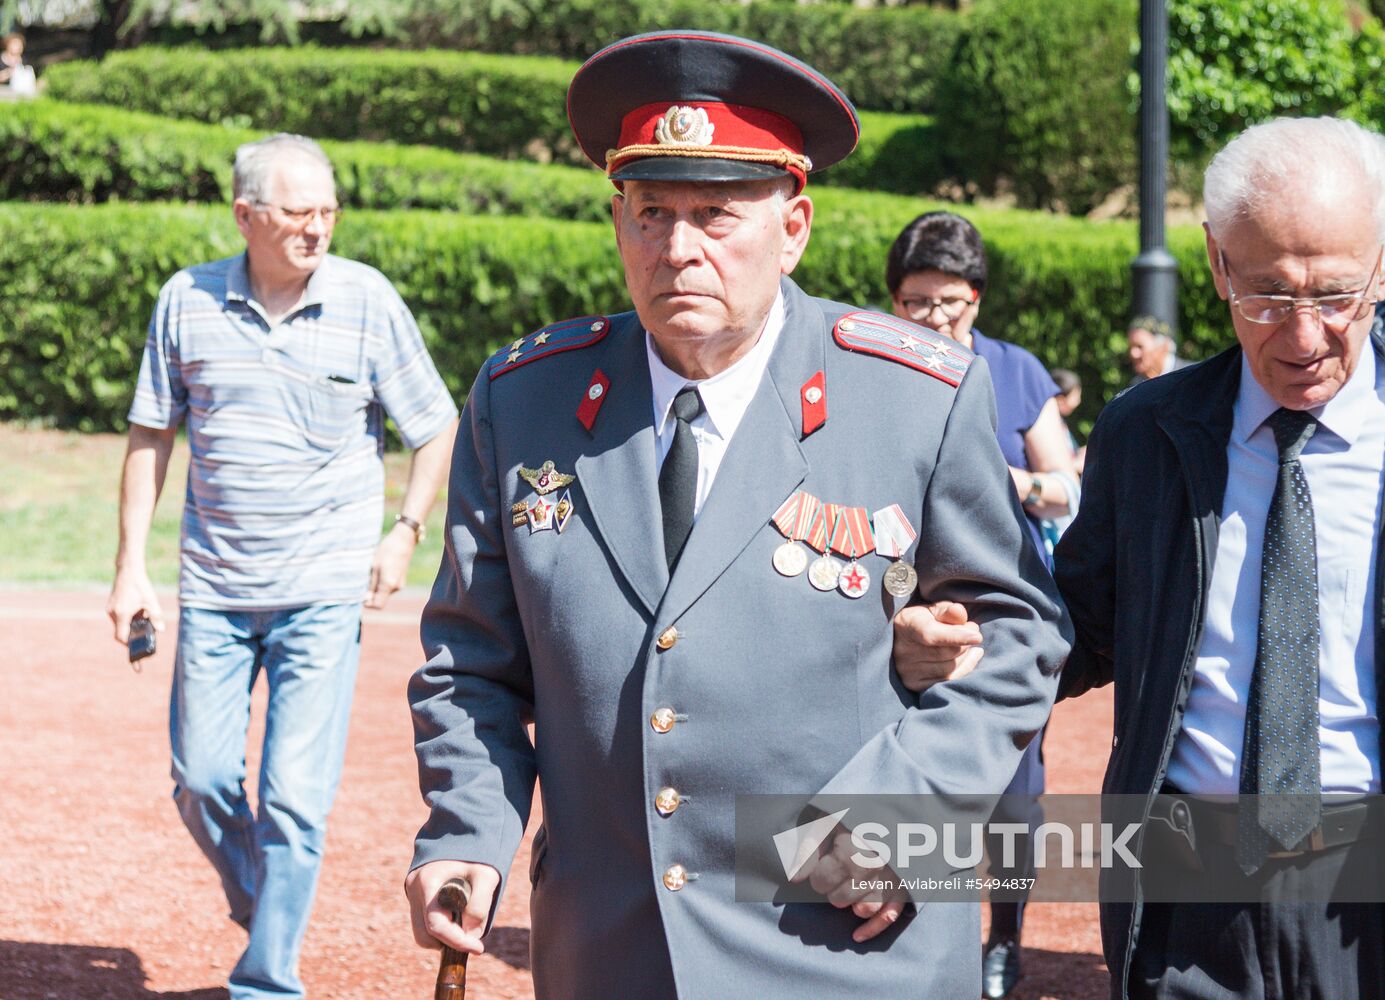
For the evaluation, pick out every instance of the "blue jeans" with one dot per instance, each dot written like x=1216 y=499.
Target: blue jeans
x=268 y=863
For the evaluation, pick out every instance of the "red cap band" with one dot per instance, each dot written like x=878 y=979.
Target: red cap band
x=712 y=130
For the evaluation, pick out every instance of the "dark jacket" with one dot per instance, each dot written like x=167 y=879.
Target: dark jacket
x=1134 y=569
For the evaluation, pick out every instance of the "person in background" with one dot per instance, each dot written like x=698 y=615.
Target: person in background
x=1070 y=398
x=1151 y=349
x=936 y=274
x=282 y=362
x=16 y=77
x=1223 y=577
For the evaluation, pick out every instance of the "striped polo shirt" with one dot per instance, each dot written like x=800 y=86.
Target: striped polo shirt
x=285 y=493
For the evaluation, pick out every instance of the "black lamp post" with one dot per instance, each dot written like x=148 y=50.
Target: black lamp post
x=1155 y=271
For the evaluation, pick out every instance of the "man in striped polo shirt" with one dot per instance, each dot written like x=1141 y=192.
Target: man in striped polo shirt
x=282 y=361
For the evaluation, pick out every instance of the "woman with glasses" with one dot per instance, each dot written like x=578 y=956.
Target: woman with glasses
x=936 y=274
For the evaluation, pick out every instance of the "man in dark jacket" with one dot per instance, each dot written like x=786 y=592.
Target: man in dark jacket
x=1222 y=573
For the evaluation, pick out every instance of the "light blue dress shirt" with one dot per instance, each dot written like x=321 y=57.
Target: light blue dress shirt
x=1343 y=463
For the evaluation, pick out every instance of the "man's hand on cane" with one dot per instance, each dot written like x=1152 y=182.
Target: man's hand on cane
x=432 y=922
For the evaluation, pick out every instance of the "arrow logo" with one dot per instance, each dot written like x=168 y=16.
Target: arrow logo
x=800 y=843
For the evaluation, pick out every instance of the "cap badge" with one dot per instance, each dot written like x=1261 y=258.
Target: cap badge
x=682 y=126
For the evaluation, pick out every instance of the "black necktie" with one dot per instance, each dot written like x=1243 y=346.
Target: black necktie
x=678 y=477
x=1279 y=759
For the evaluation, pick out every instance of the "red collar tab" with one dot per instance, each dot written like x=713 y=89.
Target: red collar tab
x=813 y=396
x=593 y=399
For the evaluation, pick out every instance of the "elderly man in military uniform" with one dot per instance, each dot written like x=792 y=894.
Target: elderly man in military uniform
x=677 y=537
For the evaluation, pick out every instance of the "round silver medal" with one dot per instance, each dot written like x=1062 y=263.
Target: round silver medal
x=790 y=559
x=900 y=579
x=824 y=573
x=854 y=580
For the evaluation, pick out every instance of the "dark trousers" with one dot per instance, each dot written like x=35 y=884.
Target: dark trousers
x=1265 y=950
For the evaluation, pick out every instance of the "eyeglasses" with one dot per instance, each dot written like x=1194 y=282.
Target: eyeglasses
x=302 y=216
x=1336 y=312
x=922 y=308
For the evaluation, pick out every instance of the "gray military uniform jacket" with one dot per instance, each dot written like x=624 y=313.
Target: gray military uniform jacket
x=775 y=687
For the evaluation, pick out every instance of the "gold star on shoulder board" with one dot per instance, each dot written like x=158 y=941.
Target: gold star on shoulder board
x=541 y=338
x=513 y=357
x=517 y=344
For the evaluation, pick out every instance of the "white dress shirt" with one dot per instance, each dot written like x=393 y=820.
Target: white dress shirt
x=725 y=398
x=1342 y=463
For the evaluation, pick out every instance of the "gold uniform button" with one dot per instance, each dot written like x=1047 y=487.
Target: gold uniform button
x=667 y=638
x=667 y=801
x=662 y=720
x=675 y=877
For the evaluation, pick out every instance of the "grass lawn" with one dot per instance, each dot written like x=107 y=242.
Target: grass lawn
x=59 y=494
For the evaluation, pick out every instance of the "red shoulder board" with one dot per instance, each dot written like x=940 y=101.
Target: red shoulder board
x=569 y=335
x=899 y=340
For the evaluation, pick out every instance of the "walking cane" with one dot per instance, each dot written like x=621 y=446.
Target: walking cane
x=453 y=897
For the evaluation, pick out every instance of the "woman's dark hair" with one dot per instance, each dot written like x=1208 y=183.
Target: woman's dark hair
x=1066 y=380
x=937 y=241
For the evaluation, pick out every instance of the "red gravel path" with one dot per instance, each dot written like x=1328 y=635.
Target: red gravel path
x=102 y=894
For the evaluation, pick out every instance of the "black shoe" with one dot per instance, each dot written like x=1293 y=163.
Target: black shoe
x=1000 y=968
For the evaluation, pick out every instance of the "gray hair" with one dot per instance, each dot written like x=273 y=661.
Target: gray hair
x=255 y=163
x=1252 y=171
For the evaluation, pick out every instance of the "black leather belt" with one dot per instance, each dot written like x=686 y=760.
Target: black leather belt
x=1217 y=821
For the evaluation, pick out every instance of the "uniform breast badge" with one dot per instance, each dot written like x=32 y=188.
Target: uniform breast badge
x=544 y=514
x=563 y=512
x=794 y=518
x=546 y=478
x=540 y=515
x=893 y=535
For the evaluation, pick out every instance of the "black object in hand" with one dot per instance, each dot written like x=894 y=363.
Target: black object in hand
x=141 y=642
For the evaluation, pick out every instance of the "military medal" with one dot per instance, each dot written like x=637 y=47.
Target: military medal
x=519 y=513
x=893 y=535
x=546 y=478
x=852 y=538
x=854 y=580
x=793 y=519
x=825 y=570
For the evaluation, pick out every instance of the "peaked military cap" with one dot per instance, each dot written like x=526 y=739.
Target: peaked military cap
x=700 y=106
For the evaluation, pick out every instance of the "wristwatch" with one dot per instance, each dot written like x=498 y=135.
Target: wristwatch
x=420 y=532
x=1036 y=490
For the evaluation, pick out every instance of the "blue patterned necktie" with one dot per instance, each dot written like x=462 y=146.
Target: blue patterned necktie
x=1279 y=759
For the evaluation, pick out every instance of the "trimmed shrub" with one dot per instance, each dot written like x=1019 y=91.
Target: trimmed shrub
x=79 y=285
x=507 y=106
x=1036 y=101
x=886 y=58
x=456 y=100
x=52 y=151
x=1233 y=63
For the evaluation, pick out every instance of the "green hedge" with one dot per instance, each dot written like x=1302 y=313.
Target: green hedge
x=78 y=285
x=53 y=151
x=507 y=106
x=885 y=58
x=1037 y=101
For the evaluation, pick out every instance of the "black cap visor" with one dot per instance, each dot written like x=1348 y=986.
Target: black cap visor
x=704 y=169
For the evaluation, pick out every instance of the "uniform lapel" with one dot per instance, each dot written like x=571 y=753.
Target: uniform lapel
x=763 y=464
x=617 y=471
